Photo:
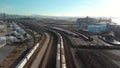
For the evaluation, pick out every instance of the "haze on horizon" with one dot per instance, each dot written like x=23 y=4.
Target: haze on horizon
x=109 y=8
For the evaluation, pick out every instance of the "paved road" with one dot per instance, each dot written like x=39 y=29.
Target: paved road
x=41 y=53
x=5 y=51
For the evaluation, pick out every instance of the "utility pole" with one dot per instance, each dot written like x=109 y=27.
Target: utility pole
x=4 y=17
x=5 y=24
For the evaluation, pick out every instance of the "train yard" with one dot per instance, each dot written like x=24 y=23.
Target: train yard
x=85 y=52
x=90 y=56
x=55 y=47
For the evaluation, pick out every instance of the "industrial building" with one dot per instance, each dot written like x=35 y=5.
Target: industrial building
x=97 y=28
x=87 y=20
x=17 y=35
x=84 y=22
x=113 y=27
x=12 y=33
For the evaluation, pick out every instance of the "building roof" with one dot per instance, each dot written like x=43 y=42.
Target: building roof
x=1 y=22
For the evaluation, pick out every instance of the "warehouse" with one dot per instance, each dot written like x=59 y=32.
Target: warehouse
x=97 y=28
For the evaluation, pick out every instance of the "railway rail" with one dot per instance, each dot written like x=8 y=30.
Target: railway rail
x=55 y=51
x=30 y=54
x=68 y=55
x=48 y=51
x=38 y=50
x=41 y=54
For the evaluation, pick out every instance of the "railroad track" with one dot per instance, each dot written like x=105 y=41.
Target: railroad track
x=39 y=57
x=69 y=61
x=68 y=55
x=48 y=51
x=43 y=39
x=46 y=56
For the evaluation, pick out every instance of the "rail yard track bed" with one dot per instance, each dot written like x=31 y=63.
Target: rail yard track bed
x=28 y=65
x=98 y=58
x=45 y=54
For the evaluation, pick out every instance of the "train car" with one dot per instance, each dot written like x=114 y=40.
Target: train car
x=85 y=37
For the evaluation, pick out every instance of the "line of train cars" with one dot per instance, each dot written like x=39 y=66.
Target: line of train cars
x=75 y=34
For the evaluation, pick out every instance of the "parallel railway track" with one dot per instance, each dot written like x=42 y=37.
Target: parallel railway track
x=42 y=55
x=68 y=55
x=88 y=59
x=43 y=39
x=49 y=50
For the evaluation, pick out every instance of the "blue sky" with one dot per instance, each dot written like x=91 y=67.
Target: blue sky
x=61 y=7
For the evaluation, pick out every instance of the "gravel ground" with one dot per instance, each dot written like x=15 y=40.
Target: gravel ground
x=5 y=51
x=99 y=58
